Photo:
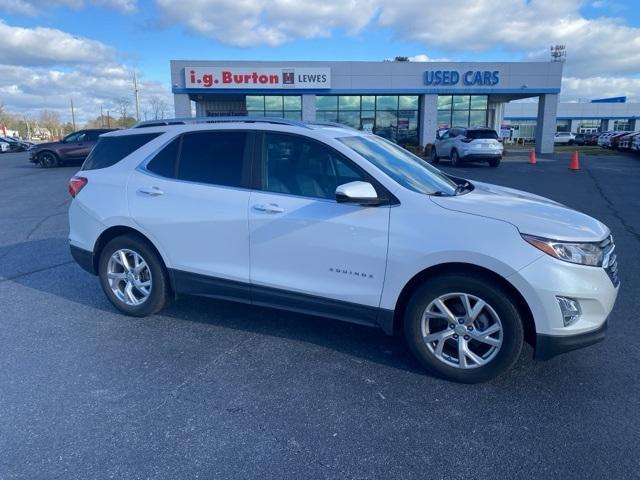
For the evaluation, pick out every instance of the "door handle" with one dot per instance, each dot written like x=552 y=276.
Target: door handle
x=268 y=208
x=150 y=191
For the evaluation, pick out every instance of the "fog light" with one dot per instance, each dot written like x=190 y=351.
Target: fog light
x=570 y=310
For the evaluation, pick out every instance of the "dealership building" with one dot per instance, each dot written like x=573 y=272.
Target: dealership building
x=403 y=101
x=520 y=119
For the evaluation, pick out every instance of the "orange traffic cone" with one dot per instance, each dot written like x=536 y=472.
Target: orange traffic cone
x=532 y=157
x=574 y=164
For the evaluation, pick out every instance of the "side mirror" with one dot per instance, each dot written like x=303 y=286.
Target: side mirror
x=361 y=193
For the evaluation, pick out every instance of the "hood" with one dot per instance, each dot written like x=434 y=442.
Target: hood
x=531 y=214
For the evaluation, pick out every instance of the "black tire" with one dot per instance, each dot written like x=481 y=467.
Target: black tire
x=494 y=162
x=571 y=142
x=480 y=287
x=159 y=295
x=48 y=160
x=434 y=155
x=455 y=158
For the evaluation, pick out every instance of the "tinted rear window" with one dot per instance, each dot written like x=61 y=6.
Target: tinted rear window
x=212 y=157
x=164 y=163
x=476 y=134
x=110 y=150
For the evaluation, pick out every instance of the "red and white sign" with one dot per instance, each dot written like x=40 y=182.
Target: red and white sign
x=258 y=78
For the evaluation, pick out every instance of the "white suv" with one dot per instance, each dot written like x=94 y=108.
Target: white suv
x=566 y=138
x=330 y=221
x=467 y=145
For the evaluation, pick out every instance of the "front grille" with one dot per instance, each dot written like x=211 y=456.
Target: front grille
x=610 y=263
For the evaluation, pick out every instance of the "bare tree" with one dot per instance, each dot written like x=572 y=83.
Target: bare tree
x=158 y=107
x=51 y=121
x=122 y=106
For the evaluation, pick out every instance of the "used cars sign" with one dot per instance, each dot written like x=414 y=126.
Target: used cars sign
x=470 y=77
x=260 y=78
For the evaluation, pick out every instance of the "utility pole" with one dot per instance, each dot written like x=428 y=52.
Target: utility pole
x=73 y=116
x=108 y=120
x=135 y=94
x=101 y=118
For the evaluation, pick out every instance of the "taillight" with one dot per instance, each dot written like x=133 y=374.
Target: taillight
x=467 y=140
x=76 y=184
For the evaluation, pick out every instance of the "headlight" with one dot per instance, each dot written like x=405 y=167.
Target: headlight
x=581 y=253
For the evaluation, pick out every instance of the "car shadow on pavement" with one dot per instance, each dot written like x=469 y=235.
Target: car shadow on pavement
x=46 y=265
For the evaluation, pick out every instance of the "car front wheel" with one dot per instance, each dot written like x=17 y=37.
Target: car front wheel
x=48 y=160
x=434 y=155
x=133 y=276
x=494 y=162
x=455 y=158
x=463 y=328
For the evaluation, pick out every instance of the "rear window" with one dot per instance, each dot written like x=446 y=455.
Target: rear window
x=478 y=134
x=110 y=150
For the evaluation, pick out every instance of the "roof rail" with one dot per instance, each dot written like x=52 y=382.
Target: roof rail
x=321 y=123
x=243 y=119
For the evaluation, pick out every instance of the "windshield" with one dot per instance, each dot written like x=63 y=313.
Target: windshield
x=405 y=168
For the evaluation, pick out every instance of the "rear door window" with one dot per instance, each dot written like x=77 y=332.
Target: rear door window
x=110 y=150
x=165 y=161
x=214 y=158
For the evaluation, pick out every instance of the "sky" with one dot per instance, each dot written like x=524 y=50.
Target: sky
x=52 y=51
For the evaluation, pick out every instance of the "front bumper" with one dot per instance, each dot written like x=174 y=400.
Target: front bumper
x=542 y=281
x=548 y=346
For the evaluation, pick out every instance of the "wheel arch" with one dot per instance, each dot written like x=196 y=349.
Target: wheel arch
x=116 y=231
x=464 y=268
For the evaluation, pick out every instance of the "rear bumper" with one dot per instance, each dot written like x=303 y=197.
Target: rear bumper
x=84 y=258
x=548 y=346
x=481 y=157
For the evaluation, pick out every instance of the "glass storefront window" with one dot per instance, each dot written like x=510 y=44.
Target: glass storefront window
x=478 y=102
x=387 y=103
x=478 y=118
x=390 y=116
x=461 y=102
x=292 y=102
x=255 y=102
x=444 y=102
x=329 y=102
x=350 y=102
x=368 y=102
x=408 y=102
x=460 y=118
x=272 y=102
x=462 y=110
x=349 y=118
x=281 y=106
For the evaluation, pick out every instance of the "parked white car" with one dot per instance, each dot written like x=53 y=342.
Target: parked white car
x=566 y=138
x=462 y=145
x=336 y=222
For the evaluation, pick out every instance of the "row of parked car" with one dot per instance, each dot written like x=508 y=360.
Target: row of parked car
x=10 y=144
x=629 y=141
x=619 y=140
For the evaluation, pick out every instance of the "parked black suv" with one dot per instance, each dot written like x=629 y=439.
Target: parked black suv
x=74 y=147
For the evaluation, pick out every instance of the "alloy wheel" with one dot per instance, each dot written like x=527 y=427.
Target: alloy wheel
x=129 y=277
x=462 y=330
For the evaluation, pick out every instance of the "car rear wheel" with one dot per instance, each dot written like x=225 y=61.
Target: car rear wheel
x=463 y=328
x=494 y=162
x=133 y=276
x=434 y=155
x=48 y=160
x=455 y=158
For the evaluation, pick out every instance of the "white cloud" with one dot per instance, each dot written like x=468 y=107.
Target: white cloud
x=423 y=57
x=47 y=46
x=29 y=90
x=37 y=7
x=594 y=45
x=574 y=89
x=246 y=23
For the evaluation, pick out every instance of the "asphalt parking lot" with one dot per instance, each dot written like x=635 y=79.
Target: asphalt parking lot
x=209 y=389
